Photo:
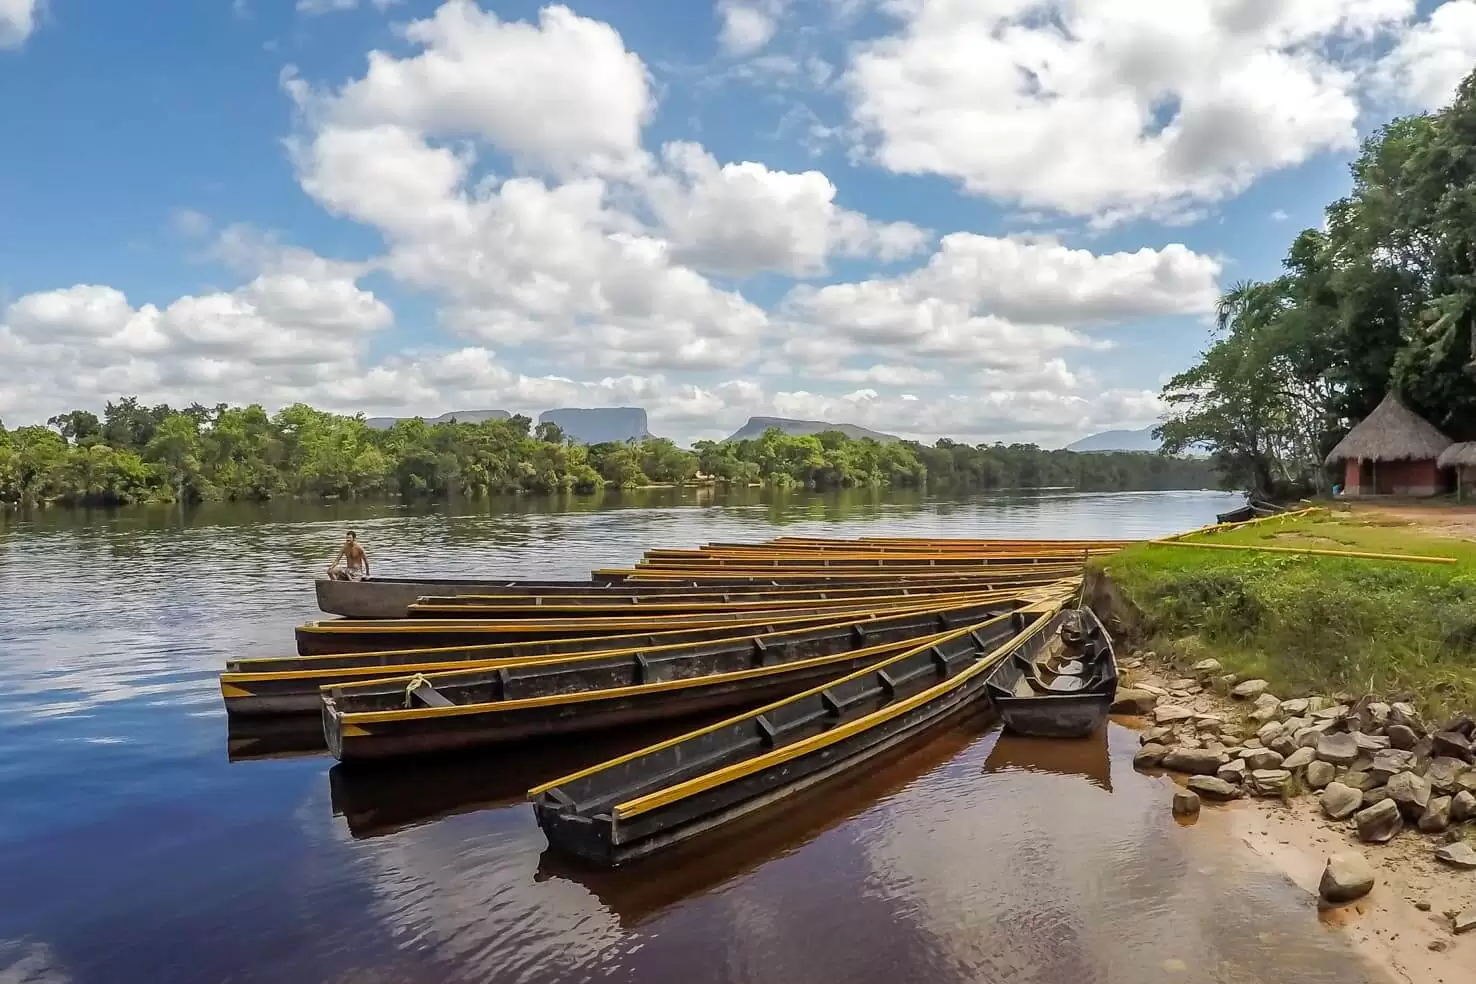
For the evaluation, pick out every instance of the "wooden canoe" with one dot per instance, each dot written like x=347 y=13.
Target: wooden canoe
x=291 y=684
x=494 y=607
x=829 y=576
x=367 y=635
x=381 y=598
x=1061 y=685
x=447 y=711
x=634 y=805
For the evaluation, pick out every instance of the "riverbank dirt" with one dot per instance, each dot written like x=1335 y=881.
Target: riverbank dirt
x=1406 y=924
x=1439 y=519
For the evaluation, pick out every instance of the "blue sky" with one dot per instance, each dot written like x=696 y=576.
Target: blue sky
x=990 y=221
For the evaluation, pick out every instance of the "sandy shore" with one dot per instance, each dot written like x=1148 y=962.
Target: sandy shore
x=1404 y=925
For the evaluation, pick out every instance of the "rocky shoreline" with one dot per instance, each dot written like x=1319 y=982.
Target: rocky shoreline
x=1377 y=772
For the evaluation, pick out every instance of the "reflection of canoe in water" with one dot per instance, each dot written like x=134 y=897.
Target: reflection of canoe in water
x=379 y=801
x=1088 y=759
x=638 y=804
x=645 y=888
x=268 y=738
x=446 y=711
x=1061 y=685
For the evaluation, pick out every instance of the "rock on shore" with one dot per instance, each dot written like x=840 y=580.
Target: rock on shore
x=1347 y=878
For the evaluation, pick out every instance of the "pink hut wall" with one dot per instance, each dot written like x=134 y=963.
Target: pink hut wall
x=1391 y=478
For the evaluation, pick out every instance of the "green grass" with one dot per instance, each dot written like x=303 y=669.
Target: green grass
x=1313 y=624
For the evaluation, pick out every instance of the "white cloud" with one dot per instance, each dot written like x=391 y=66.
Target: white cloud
x=747 y=25
x=1432 y=59
x=563 y=94
x=17 y=21
x=995 y=301
x=300 y=323
x=1280 y=215
x=1112 y=110
x=742 y=218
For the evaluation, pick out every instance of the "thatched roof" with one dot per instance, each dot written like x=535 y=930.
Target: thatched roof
x=1461 y=455
x=1392 y=432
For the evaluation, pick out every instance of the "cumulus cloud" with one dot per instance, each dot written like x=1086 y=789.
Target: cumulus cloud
x=747 y=25
x=743 y=218
x=997 y=301
x=17 y=21
x=294 y=326
x=564 y=94
x=1432 y=59
x=1112 y=110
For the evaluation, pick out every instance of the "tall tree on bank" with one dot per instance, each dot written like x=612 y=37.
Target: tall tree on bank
x=1384 y=299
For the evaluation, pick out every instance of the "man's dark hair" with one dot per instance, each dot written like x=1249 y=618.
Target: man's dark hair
x=353 y=534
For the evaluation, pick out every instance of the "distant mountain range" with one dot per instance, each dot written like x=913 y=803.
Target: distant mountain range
x=802 y=428
x=1119 y=440
x=464 y=416
x=599 y=425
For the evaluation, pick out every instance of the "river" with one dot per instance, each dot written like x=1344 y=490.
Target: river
x=138 y=844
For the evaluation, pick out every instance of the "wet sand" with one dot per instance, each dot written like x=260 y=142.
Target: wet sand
x=1293 y=839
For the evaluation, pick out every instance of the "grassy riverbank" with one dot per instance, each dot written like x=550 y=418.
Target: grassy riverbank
x=1316 y=623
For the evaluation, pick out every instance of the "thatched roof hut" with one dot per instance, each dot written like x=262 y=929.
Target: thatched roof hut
x=1393 y=432
x=1461 y=455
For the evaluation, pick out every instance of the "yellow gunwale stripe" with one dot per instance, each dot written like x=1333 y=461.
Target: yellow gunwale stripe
x=611 y=693
x=387 y=673
x=631 y=756
x=719 y=777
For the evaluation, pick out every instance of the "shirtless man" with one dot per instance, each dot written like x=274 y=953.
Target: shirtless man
x=351 y=564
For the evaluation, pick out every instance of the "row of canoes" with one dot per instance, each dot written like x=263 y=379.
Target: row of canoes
x=832 y=652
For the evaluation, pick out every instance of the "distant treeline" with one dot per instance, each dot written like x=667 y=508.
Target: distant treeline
x=137 y=453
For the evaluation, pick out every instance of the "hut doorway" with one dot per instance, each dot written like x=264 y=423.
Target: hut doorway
x=1368 y=476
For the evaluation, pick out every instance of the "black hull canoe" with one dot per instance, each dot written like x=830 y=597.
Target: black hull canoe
x=325 y=638
x=495 y=608
x=386 y=598
x=452 y=711
x=1034 y=700
x=633 y=806
x=269 y=685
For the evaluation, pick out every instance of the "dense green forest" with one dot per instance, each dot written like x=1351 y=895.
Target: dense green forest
x=137 y=453
x=1383 y=298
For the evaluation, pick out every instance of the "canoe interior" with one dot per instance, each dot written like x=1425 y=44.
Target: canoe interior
x=635 y=805
x=1062 y=684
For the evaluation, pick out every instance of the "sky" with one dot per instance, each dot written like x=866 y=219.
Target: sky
x=991 y=220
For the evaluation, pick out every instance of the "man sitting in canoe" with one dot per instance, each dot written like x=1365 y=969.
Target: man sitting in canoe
x=351 y=564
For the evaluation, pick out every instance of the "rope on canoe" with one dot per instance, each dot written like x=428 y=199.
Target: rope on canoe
x=416 y=682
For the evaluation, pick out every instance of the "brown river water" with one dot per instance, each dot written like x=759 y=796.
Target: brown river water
x=139 y=842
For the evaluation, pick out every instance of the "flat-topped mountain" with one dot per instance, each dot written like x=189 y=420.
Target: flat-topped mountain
x=461 y=416
x=598 y=425
x=1118 y=440
x=803 y=428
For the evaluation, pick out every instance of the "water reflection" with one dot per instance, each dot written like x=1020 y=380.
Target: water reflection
x=251 y=739
x=1087 y=758
x=376 y=799
x=642 y=890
